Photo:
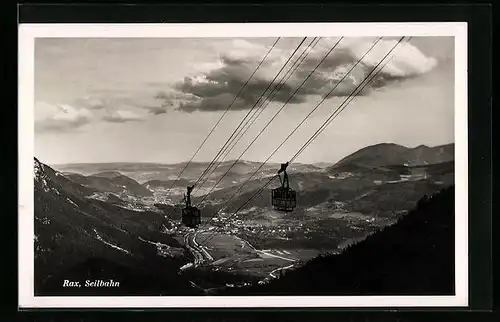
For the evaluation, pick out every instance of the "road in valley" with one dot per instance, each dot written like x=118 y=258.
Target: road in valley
x=280 y=269
x=200 y=254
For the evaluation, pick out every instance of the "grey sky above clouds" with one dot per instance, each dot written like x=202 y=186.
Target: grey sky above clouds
x=155 y=100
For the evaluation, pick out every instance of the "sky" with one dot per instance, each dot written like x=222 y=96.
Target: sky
x=156 y=99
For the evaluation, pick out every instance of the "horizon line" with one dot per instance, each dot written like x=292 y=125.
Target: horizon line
x=242 y=160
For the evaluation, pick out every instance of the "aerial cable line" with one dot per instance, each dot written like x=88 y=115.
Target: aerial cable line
x=225 y=112
x=310 y=49
x=241 y=207
x=349 y=99
x=344 y=105
x=222 y=148
x=300 y=124
x=276 y=89
x=238 y=129
x=220 y=179
x=276 y=114
x=262 y=107
x=283 y=83
x=353 y=94
x=267 y=183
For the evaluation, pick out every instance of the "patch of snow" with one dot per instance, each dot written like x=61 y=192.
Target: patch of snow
x=98 y=196
x=38 y=169
x=45 y=185
x=123 y=231
x=39 y=175
x=71 y=202
x=188 y=265
x=162 y=249
x=341 y=175
x=108 y=243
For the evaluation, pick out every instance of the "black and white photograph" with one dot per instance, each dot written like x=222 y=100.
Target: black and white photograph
x=246 y=165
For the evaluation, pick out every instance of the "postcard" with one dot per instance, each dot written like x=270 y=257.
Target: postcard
x=243 y=165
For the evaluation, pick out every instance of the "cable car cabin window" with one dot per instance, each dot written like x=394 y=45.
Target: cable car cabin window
x=191 y=216
x=284 y=199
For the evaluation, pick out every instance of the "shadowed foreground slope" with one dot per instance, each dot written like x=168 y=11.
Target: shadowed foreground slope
x=78 y=238
x=415 y=256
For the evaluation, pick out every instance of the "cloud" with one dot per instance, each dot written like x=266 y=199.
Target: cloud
x=156 y=110
x=407 y=61
x=218 y=83
x=125 y=101
x=93 y=103
x=60 y=117
x=122 y=116
x=71 y=116
x=174 y=99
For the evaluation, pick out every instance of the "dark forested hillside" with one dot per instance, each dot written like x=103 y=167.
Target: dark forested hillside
x=415 y=256
x=77 y=238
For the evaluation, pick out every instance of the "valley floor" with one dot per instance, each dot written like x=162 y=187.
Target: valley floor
x=214 y=250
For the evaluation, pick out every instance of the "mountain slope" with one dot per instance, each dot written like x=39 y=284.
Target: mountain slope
x=111 y=181
x=73 y=231
x=381 y=177
x=165 y=184
x=376 y=191
x=387 y=154
x=415 y=256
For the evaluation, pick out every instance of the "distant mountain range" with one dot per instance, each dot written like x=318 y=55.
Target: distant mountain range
x=409 y=171
x=155 y=174
x=110 y=181
x=378 y=154
x=74 y=230
x=362 y=171
x=387 y=154
x=373 y=174
x=415 y=256
x=167 y=173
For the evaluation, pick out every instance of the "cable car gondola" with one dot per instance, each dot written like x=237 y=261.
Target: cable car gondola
x=191 y=216
x=283 y=198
